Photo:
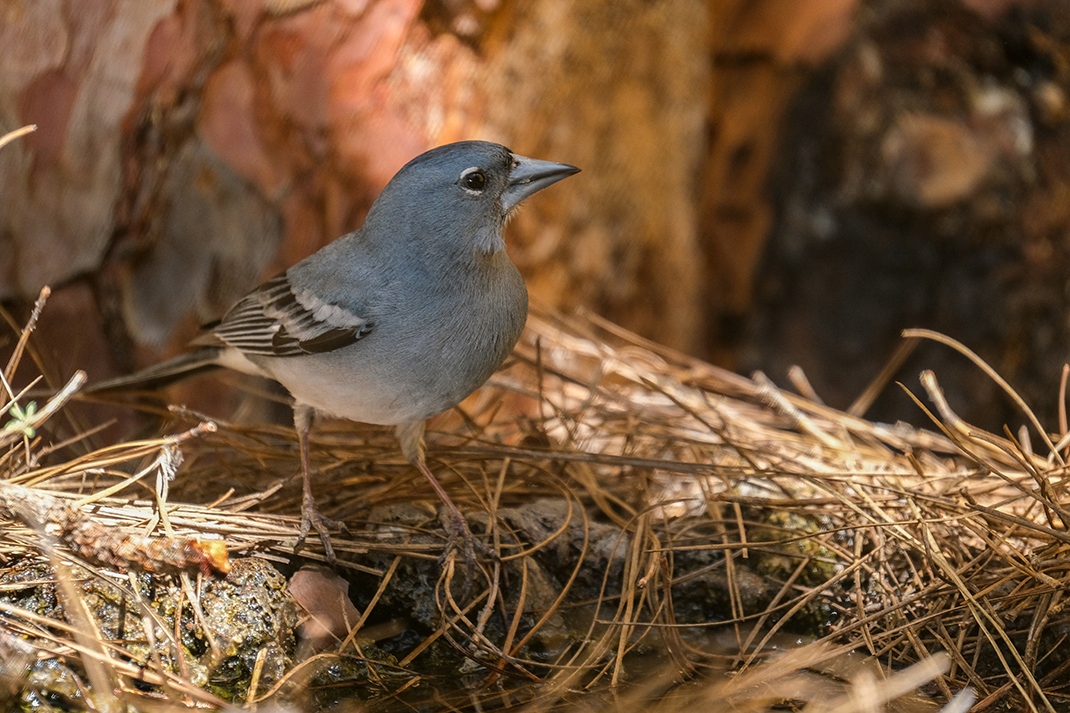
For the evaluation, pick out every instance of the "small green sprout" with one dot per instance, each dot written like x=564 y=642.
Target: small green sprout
x=21 y=419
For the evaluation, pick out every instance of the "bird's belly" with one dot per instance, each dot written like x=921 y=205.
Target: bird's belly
x=373 y=388
x=368 y=395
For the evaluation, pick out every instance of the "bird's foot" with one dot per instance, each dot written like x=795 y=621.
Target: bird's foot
x=313 y=519
x=460 y=538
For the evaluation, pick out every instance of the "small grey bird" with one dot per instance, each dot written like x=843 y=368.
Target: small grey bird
x=393 y=323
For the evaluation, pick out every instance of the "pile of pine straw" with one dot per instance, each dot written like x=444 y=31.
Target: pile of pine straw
x=950 y=544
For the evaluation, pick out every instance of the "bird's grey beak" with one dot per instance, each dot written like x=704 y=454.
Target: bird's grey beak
x=530 y=176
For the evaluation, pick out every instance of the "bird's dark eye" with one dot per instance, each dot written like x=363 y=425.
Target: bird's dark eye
x=473 y=179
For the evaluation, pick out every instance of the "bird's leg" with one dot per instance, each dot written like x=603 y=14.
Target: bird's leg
x=411 y=437
x=459 y=535
x=311 y=518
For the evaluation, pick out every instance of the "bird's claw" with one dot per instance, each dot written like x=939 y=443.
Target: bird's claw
x=460 y=538
x=312 y=519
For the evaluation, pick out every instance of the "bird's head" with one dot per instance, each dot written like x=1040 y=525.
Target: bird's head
x=462 y=194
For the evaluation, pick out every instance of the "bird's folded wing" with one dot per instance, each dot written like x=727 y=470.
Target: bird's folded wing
x=280 y=320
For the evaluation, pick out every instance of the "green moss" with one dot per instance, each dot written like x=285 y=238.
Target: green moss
x=245 y=613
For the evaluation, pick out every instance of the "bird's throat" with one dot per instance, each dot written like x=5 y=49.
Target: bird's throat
x=490 y=242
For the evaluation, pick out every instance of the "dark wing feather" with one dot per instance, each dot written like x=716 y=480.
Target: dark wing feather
x=280 y=321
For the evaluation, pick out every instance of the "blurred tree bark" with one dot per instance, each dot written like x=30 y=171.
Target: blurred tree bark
x=189 y=148
x=762 y=54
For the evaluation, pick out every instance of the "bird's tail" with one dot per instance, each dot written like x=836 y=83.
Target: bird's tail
x=163 y=374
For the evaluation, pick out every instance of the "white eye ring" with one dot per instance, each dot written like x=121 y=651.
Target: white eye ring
x=473 y=180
